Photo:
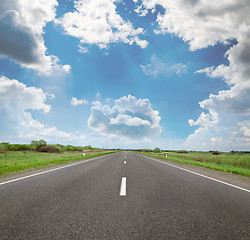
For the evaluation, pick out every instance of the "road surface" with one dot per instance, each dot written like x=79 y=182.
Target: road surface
x=125 y=196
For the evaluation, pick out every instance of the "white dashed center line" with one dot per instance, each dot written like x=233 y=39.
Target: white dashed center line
x=123 y=187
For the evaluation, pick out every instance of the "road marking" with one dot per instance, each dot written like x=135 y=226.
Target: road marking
x=123 y=187
x=201 y=175
x=125 y=162
x=51 y=170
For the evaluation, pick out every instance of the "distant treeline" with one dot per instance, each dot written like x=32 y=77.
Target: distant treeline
x=158 y=150
x=42 y=146
x=235 y=151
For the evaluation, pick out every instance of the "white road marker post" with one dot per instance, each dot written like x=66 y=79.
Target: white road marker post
x=166 y=154
x=83 y=153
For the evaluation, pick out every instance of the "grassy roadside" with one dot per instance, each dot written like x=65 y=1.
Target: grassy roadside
x=234 y=163
x=14 y=162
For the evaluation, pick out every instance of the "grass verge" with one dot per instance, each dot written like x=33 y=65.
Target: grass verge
x=226 y=162
x=14 y=162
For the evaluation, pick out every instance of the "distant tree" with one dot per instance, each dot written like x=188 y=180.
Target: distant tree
x=88 y=147
x=60 y=147
x=4 y=146
x=157 y=150
x=79 y=148
x=37 y=144
x=70 y=148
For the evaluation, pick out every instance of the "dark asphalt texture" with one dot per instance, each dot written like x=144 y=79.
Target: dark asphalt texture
x=162 y=202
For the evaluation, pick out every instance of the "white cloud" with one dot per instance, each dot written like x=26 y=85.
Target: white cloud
x=129 y=117
x=244 y=129
x=82 y=49
x=235 y=101
x=36 y=130
x=65 y=68
x=98 y=95
x=97 y=22
x=223 y=136
x=25 y=20
x=17 y=124
x=205 y=120
x=50 y=95
x=158 y=67
x=141 y=11
x=128 y=120
x=227 y=119
x=75 y=102
x=15 y=96
x=192 y=20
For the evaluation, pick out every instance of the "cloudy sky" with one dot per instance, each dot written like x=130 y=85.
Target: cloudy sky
x=126 y=74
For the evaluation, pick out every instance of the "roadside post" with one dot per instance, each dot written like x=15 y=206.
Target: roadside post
x=83 y=153
x=166 y=154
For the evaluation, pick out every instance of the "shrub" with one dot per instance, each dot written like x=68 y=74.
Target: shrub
x=216 y=153
x=157 y=150
x=60 y=147
x=88 y=147
x=20 y=147
x=48 y=149
x=182 y=151
x=70 y=148
x=146 y=150
x=37 y=144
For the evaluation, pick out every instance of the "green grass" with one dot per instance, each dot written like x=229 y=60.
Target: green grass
x=235 y=163
x=12 y=162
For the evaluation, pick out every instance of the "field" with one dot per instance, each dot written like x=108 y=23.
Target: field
x=238 y=163
x=15 y=161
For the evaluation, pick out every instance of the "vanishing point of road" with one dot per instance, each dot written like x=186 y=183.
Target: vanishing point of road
x=125 y=196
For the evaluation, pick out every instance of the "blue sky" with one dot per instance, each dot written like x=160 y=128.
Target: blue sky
x=126 y=74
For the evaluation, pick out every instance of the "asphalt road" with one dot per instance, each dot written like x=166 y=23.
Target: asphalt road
x=159 y=201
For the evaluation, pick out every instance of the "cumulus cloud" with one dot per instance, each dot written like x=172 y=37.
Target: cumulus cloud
x=228 y=114
x=192 y=20
x=97 y=22
x=128 y=117
x=244 y=129
x=21 y=24
x=75 y=102
x=16 y=95
x=16 y=103
x=205 y=120
x=37 y=130
x=158 y=67
x=224 y=136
